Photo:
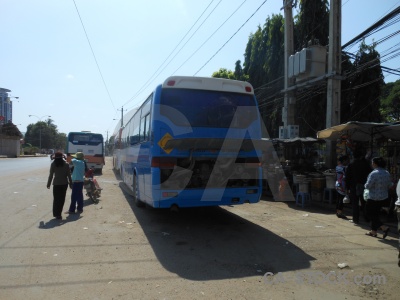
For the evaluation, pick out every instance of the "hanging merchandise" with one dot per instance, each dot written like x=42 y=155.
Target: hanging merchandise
x=344 y=146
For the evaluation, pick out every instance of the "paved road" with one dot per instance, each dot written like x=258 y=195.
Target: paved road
x=115 y=250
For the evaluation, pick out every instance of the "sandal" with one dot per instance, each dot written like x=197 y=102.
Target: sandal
x=385 y=233
x=369 y=233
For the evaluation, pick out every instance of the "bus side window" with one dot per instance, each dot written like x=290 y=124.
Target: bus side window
x=134 y=139
x=147 y=127
x=142 y=129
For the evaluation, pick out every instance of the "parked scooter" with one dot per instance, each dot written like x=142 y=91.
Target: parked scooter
x=93 y=190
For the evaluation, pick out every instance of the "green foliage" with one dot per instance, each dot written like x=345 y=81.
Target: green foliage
x=312 y=23
x=45 y=134
x=9 y=129
x=263 y=67
x=366 y=84
x=228 y=74
x=224 y=73
x=390 y=102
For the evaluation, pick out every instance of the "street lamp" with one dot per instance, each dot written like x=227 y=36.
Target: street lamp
x=40 y=130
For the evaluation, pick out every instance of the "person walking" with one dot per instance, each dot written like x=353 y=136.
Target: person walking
x=356 y=176
x=378 y=183
x=60 y=175
x=78 y=173
x=341 y=185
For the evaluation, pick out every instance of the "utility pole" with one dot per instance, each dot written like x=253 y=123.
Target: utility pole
x=289 y=99
x=334 y=74
x=122 y=116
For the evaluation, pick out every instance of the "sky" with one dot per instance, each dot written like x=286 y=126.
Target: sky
x=86 y=76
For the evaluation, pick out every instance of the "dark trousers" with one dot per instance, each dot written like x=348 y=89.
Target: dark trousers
x=356 y=200
x=76 y=197
x=339 y=201
x=59 y=192
x=373 y=209
x=397 y=208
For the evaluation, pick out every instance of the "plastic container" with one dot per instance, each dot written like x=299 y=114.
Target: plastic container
x=330 y=181
x=318 y=183
x=303 y=187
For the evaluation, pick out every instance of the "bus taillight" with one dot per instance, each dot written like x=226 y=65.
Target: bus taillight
x=248 y=89
x=171 y=83
x=163 y=162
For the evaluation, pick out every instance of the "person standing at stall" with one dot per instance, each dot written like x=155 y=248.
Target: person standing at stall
x=378 y=183
x=341 y=185
x=356 y=176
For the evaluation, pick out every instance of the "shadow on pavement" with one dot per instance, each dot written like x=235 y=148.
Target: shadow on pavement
x=210 y=243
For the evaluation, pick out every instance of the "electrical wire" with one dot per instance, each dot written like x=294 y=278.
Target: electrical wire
x=230 y=38
x=201 y=46
x=152 y=77
x=94 y=56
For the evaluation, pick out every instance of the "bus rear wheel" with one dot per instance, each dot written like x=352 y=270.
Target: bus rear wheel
x=138 y=203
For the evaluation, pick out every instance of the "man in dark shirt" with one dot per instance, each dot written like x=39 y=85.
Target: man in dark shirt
x=356 y=176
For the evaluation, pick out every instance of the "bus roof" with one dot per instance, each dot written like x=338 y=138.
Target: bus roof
x=208 y=83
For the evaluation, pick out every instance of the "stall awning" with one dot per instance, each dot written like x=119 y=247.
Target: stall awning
x=361 y=131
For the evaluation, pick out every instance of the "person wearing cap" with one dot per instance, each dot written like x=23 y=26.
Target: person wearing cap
x=60 y=175
x=78 y=174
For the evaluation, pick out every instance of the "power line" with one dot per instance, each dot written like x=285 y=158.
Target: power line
x=94 y=56
x=146 y=84
x=230 y=38
x=209 y=37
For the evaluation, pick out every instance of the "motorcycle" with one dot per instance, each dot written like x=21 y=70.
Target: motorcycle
x=93 y=190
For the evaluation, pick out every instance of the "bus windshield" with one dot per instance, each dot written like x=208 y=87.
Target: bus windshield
x=203 y=108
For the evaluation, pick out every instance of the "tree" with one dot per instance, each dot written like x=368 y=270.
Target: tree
x=264 y=66
x=391 y=102
x=224 y=73
x=45 y=133
x=228 y=74
x=10 y=129
x=366 y=85
x=312 y=23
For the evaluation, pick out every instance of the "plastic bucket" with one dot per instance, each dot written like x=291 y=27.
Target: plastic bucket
x=330 y=181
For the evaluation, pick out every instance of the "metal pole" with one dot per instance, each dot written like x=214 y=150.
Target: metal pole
x=40 y=138
x=334 y=72
x=40 y=129
x=289 y=99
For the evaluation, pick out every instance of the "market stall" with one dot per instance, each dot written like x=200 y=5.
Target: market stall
x=378 y=139
x=297 y=166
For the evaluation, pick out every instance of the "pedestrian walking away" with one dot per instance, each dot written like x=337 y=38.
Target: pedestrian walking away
x=378 y=183
x=78 y=173
x=60 y=175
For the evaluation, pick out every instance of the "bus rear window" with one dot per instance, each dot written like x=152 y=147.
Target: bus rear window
x=199 y=108
x=85 y=138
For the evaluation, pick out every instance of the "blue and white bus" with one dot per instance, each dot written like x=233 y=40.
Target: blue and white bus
x=191 y=144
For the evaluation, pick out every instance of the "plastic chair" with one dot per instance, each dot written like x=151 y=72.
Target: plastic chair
x=303 y=199
x=329 y=194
